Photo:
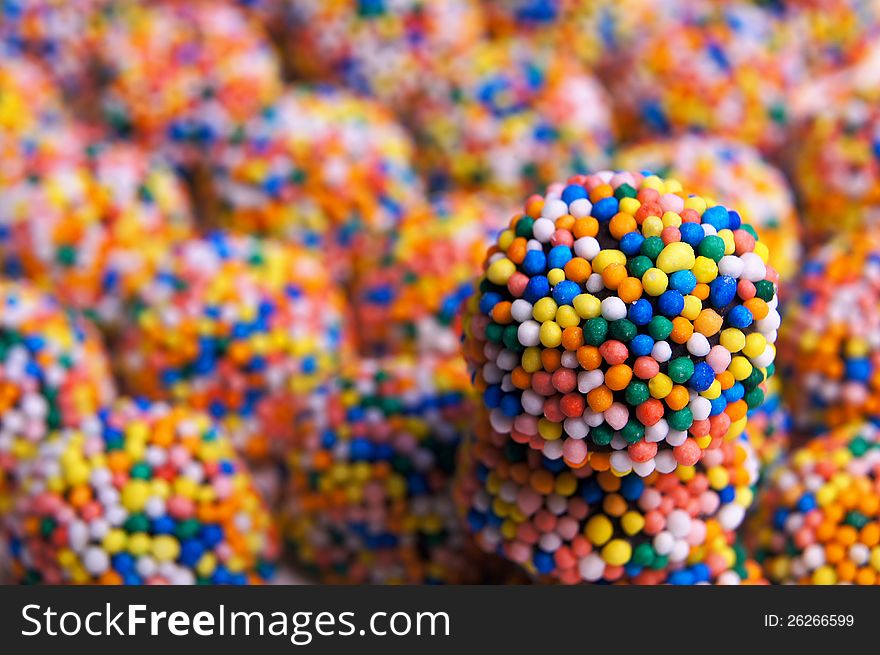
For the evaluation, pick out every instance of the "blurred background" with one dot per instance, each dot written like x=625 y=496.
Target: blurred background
x=236 y=237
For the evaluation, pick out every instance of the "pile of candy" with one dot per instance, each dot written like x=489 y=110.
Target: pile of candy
x=462 y=291
x=818 y=517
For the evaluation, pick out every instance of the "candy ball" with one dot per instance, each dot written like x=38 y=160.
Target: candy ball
x=140 y=494
x=830 y=344
x=58 y=33
x=53 y=373
x=370 y=474
x=89 y=221
x=510 y=117
x=411 y=301
x=377 y=48
x=181 y=75
x=833 y=33
x=817 y=521
x=589 y=524
x=237 y=327
x=620 y=315
x=323 y=168
x=836 y=166
x=737 y=176
x=722 y=68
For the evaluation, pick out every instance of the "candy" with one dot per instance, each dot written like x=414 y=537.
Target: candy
x=817 y=519
x=770 y=427
x=723 y=68
x=60 y=34
x=237 y=327
x=510 y=117
x=836 y=166
x=832 y=33
x=320 y=167
x=411 y=302
x=53 y=373
x=382 y=49
x=140 y=494
x=370 y=474
x=570 y=525
x=829 y=353
x=90 y=220
x=640 y=363
x=593 y=30
x=181 y=75
x=739 y=177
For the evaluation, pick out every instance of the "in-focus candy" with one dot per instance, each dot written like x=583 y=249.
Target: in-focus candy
x=640 y=332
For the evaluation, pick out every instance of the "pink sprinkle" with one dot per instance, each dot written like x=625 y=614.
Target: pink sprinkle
x=562 y=238
x=743 y=242
x=517 y=284
x=574 y=451
x=718 y=358
x=646 y=367
x=672 y=203
x=617 y=415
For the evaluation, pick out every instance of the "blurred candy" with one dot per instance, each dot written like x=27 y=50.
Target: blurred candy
x=240 y=328
x=29 y=102
x=57 y=33
x=593 y=30
x=182 y=75
x=832 y=33
x=90 y=220
x=323 y=168
x=509 y=118
x=140 y=494
x=411 y=301
x=371 y=470
x=583 y=525
x=836 y=166
x=622 y=322
x=769 y=427
x=53 y=373
x=379 y=48
x=724 y=68
x=830 y=344
x=817 y=521
x=735 y=175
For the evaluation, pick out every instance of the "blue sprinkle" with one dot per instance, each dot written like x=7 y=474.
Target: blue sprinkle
x=740 y=317
x=631 y=243
x=682 y=281
x=641 y=312
x=691 y=233
x=573 y=192
x=702 y=378
x=538 y=287
x=535 y=263
x=558 y=256
x=670 y=303
x=717 y=217
x=722 y=291
x=641 y=345
x=605 y=209
x=565 y=292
